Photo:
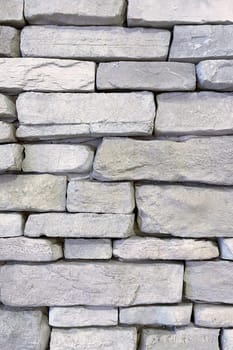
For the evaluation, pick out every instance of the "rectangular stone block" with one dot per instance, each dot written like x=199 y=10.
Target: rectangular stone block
x=95 y=43
x=11 y=157
x=226 y=248
x=7 y=108
x=97 y=197
x=32 y=192
x=197 y=43
x=11 y=224
x=227 y=339
x=213 y=316
x=155 y=76
x=79 y=316
x=192 y=211
x=7 y=132
x=86 y=225
x=203 y=160
x=88 y=249
x=215 y=75
x=11 y=12
x=9 y=42
x=93 y=284
x=78 y=13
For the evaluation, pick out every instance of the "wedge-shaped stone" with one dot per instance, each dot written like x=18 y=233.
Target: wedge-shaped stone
x=58 y=158
x=226 y=248
x=88 y=249
x=23 y=329
x=9 y=42
x=155 y=76
x=204 y=160
x=149 y=248
x=185 y=211
x=11 y=224
x=215 y=75
x=7 y=132
x=227 y=339
x=174 y=315
x=213 y=316
x=209 y=281
x=11 y=157
x=32 y=192
x=97 y=197
x=197 y=43
x=7 y=108
x=81 y=12
x=11 y=12
x=85 y=225
x=78 y=316
x=180 y=339
x=95 y=43
x=94 y=339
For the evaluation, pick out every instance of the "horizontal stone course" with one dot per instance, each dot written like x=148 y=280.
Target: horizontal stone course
x=9 y=41
x=215 y=75
x=11 y=157
x=213 y=316
x=7 y=132
x=88 y=249
x=11 y=12
x=7 y=108
x=11 y=224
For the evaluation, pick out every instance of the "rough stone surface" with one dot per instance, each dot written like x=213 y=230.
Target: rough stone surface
x=7 y=132
x=95 y=43
x=85 y=225
x=94 y=284
x=227 y=339
x=192 y=211
x=58 y=158
x=23 y=329
x=155 y=76
x=226 y=248
x=7 y=108
x=32 y=192
x=215 y=75
x=174 y=315
x=88 y=249
x=11 y=224
x=197 y=43
x=81 y=12
x=94 y=339
x=11 y=12
x=11 y=157
x=204 y=160
x=78 y=316
x=9 y=42
x=213 y=316
x=87 y=196
x=149 y=248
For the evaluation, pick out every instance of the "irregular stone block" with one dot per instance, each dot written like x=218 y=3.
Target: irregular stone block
x=78 y=13
x=204 y=160
x=32 y=192
x=215 y=75
x=96 y=284
x=58 y=158
x=197 y=43
x=11 y=12
x=9 y=42
x=11 y=224
x=11 y=157
x=79 y=316
x=7 y=132
x=95 y=43
x=155 y=76
x=226 y=248
x=7 y=108
x=174 y=315
x=88 y=249
x=213 y=316
x=139 y=248
x=192 y=211
x=94 y=339
x=227 y=339
x=23 y=329
x=97 y=197
x=85 y=225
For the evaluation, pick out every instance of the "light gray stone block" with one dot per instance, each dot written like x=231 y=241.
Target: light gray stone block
x=213 y=316
x=155 y=76
x=227 y=339
x=11 y=224
x=7 y=108
x=226 y=248
x=9 y=42
x=86 y=225
x=11 y=12
x=7 y=132
x=88 y=249
x=32 y=192
x=94 y=284
x=11 y=157
x=215 y=75
x=95 y=43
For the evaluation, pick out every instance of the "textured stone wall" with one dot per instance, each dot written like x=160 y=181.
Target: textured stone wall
x=116 y=175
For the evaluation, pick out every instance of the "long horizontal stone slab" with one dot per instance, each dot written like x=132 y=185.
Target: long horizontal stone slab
x=32 y=192
x=155 y=76
x=197 y=43
x=7 y=132
x=11 y=224
x=192 y=211
x=215 y=75
x=227 y=339
x=210 y=281
x=11 y=157
x=11 y=12
x=7 y=108
x=95 y=43
x=94 y=284
x=9 y=42
x=213 y=316
x=202 y=160
x=81 y=248
x=226 y=248
x=78 y=13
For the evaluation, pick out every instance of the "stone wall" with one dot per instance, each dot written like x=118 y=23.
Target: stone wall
x=116 y=162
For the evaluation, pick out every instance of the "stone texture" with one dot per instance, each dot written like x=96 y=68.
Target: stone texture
x=149 y=248
x=58 y=158
x=11 y=12
x=227 y=339
x=180 y=339
x=197 y=43
x=85 y=225
x=174 y=315
x=215 y=75
x=94 y=339
x=95 y=43
x=7 y=132
x=79 y=316
x=88 y=249
x=11 y=224
x=155 y=76
x=90 y=196
x=204 y=160
x=9 y=41
x=7 y=108
x=81 y=12
x=192 y=211
x=200 y=113
x=94 y=284
x=23 y=329
x=226 y=248
x=11 y=157
x=213 y=316
x=32 y=192
x=27 y=249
